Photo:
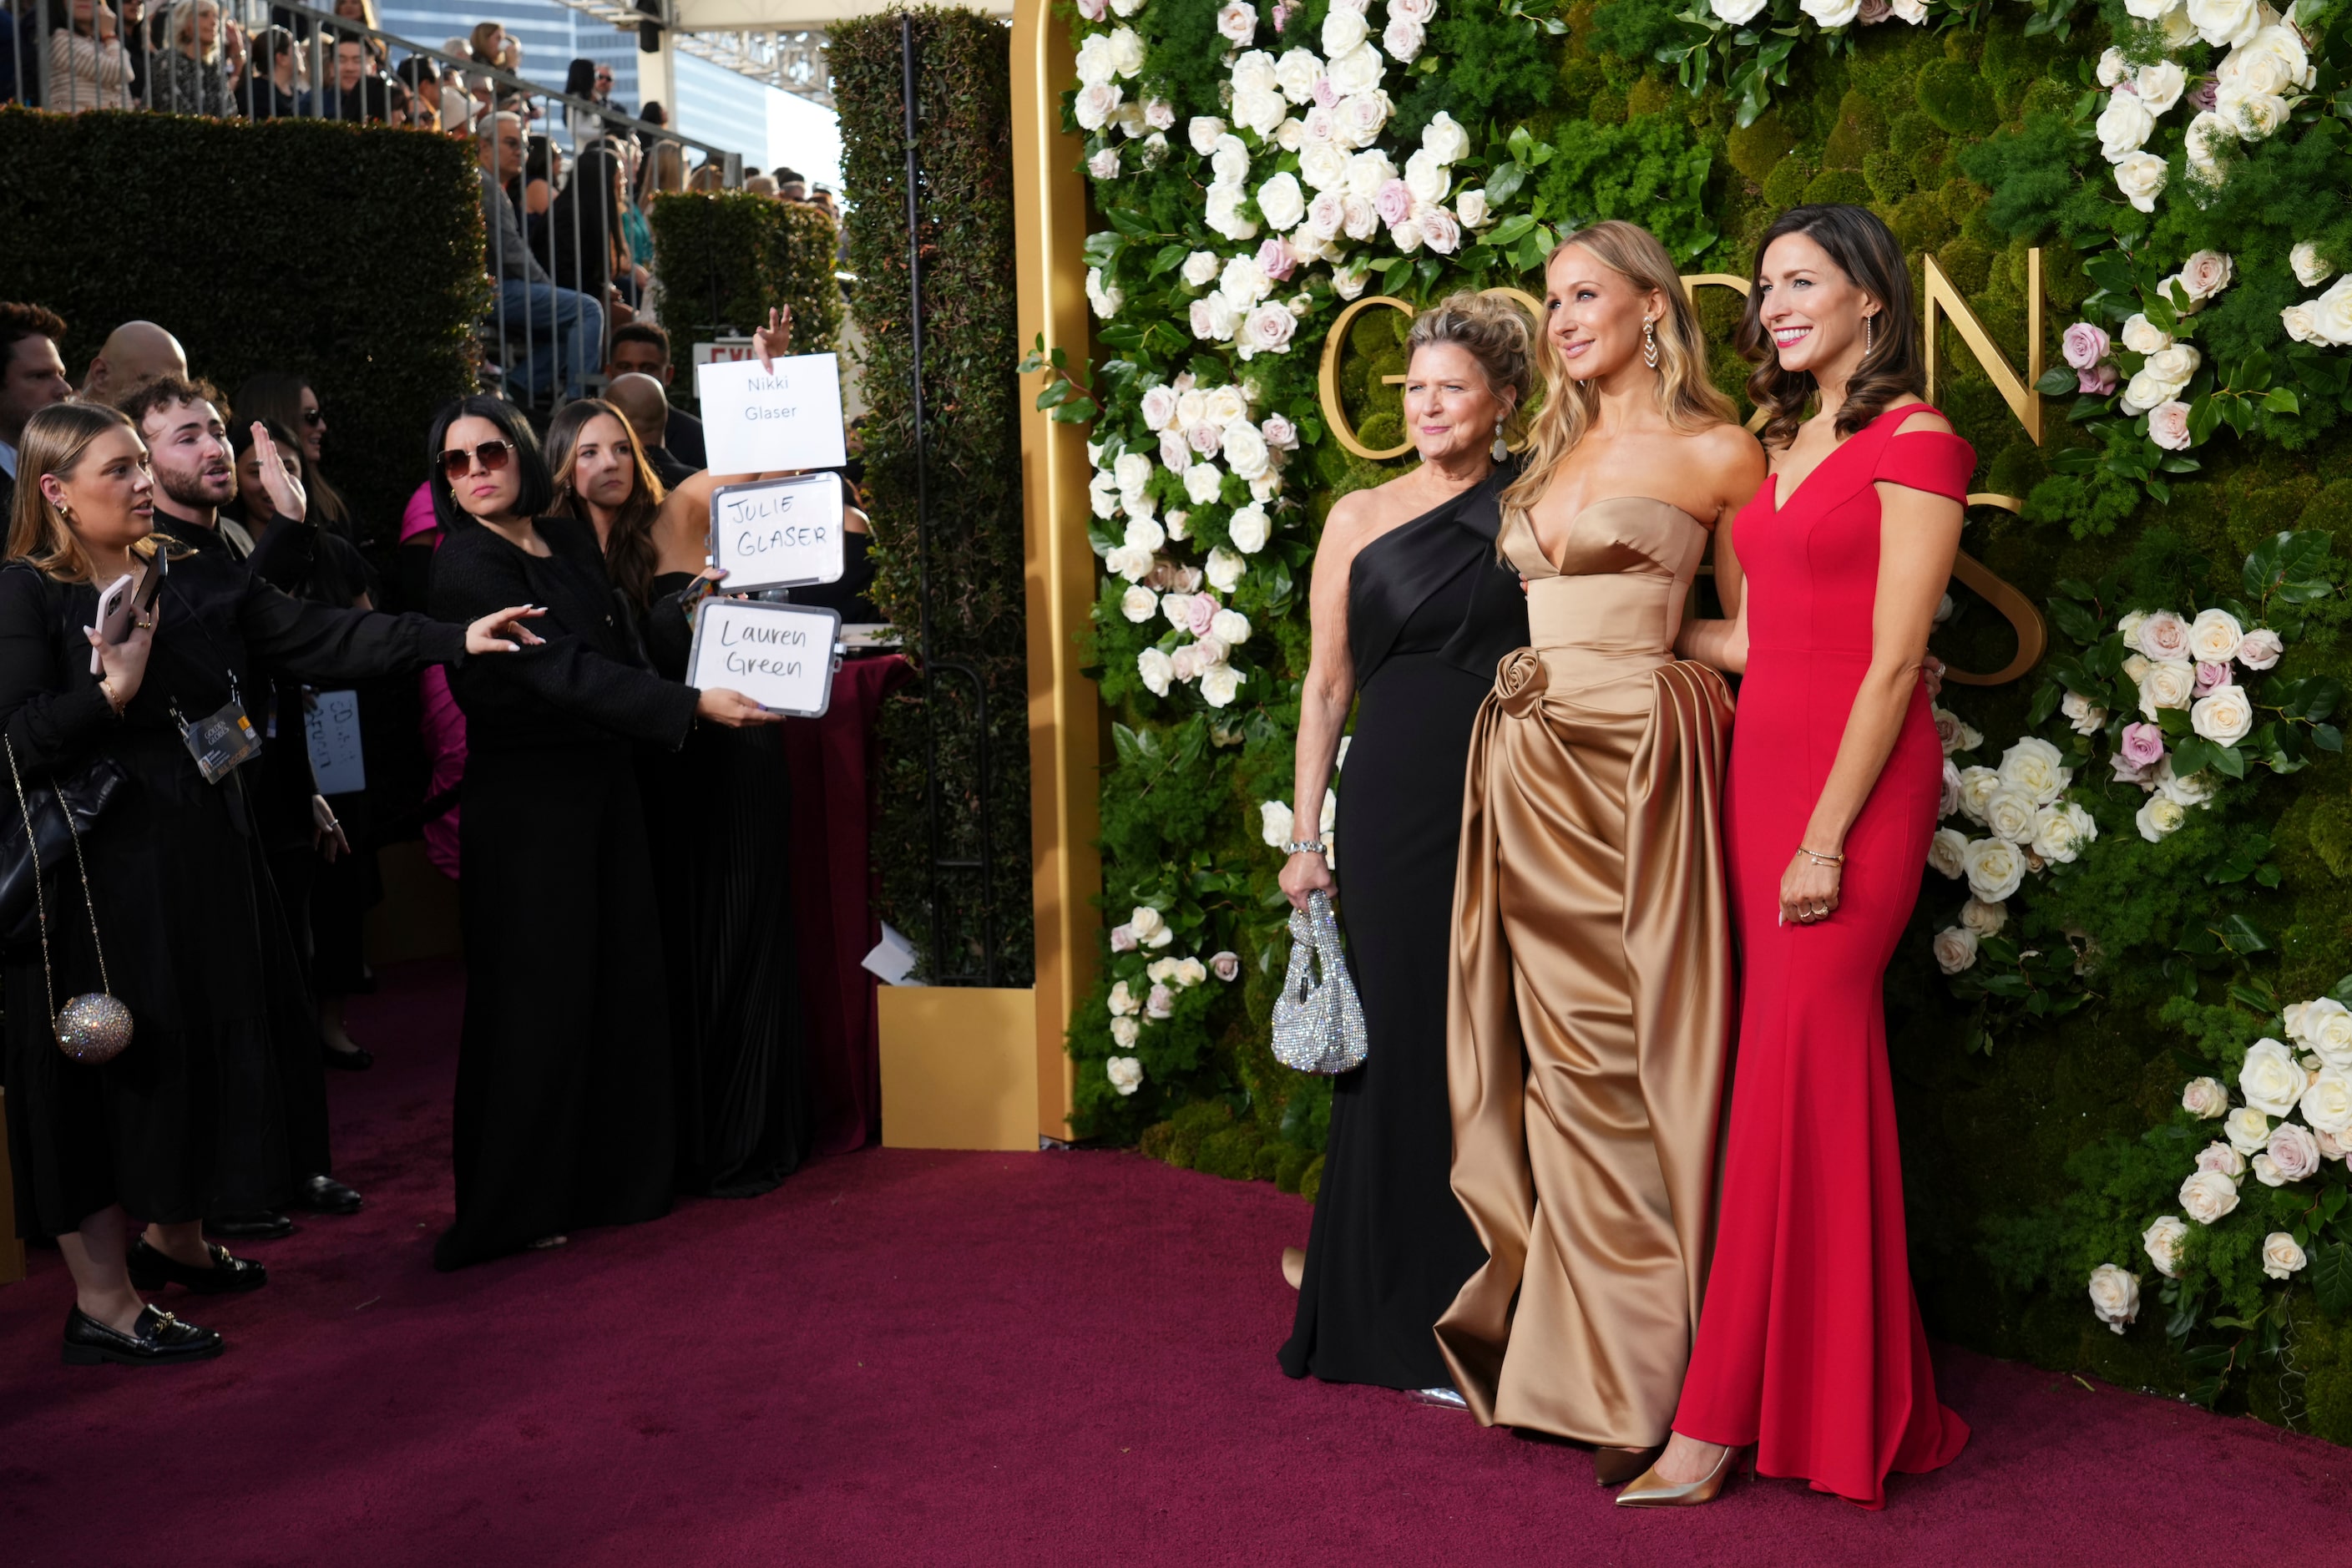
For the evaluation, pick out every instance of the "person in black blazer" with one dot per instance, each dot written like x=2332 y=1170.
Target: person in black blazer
x=564 y=1088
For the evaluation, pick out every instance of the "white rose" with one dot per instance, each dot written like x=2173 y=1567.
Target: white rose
x=1343 y=30
x=1260 y=109
x=2225 y=23
x=2331 y=314
x=1229 y=627
x=2215 y=637
x=1122 y=1002
x=1274 y=825
x=1132 y=470
x=2222 y=1158
x=1422 y=11
x=1126 y=51
x=1221 y=211
x=1130 y=562
x=2281 y=1255
x=2115 y=1296
x=1994 y=868
x=1143 y=534
x=2033 y=765
x=1249 y=530
x=2254 y=116
x=1246 y=451
x=1139 y=604
x=2159 y=818
x=1281 y=201
x=2162 y=1241
x=1948 y=852
x=1237 y=21
x=2279 y=42
x=1220 y=684
x=1438 y=229
x=1191 y=972
x=1356 y=70
x=1977 y=784
x=1738 y=13
x=2113 y=68
x=1096 y=65
x=2272 y=1079
x=1213 y=320
x=2208 y=140
x=1470 y=206
x=2204 y=275
x=2248 y=1129
x=1205 y=131
x=1160 y=402
x=1406 y=235
x=1125 y=1032
x=1913 y=12
x=2173 y=366
x=2159 y=86
x=1224 y=570
x=2293 y=1154
x=2009 y=814
x=2145 y=392
x=2208 y=1196
x=1097 y=104
x=1159 y=115
x=2326 y=1103
x=1403 y=38
x=2140 y=178
x=1156 y=670
x=2194 y=790
x=1126 y=1074
x=2150 y=10
x=1152 y=928
x=1361 y=117
x=1367 y=171
x=2168 y=683
x=1243 y=281
x=2141 y=336
x=1956 y=949
x=2267 y=1170
x=1444 y=138
x=1222 y=405
x=2327 y=1029
x=1229 y=160
x=2123 y=126
x=1199 y=269
x=1425 y=176
x=1268 y=329
x=1297 y=72
x=2225 y=717
x=2060 y=831
x=1832 y=13
x=1348 y=281
x=2311 y=268
x=1201 y=483
x=2205 y=1099
x=1173 y=452
x=1984 y=918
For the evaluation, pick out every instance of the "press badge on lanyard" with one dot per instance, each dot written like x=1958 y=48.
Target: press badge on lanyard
x=221 y=740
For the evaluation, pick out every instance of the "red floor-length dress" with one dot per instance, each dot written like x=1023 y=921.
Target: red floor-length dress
x=1809 y=1343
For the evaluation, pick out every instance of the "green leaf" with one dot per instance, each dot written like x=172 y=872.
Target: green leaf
x=2075 y=621
x=2331 y=1280
x=2327 y=738
x=1503 y=184
x=2282 y=400
x=1510 y=228
x=2227 y=760
x=2056 y=382
x=2111 y=271
x=2241 y=935
x=2253 y=373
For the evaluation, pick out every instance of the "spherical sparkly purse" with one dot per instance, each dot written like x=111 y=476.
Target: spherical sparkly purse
x=91 y=1028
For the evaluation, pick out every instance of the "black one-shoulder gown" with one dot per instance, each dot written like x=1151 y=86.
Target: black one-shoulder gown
x=1430 y=613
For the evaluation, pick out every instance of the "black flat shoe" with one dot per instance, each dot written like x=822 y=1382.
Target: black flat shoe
x=349 y=1061
x=262 y=1225
x=152 y=1269
x=324 y=1195
x=157 y=1338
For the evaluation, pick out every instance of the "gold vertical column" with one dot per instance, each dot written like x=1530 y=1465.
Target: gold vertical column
x=1065 y=712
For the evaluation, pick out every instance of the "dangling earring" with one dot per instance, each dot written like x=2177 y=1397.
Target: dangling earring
x=1499 y=451
x=1650 y=343
x=1869 y=334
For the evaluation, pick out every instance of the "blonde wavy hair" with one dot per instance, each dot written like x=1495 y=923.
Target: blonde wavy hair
x=1689 y=401
x=55 y=441
x=1492 y=330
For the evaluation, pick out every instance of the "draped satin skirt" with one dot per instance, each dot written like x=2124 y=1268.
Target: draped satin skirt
x=1588 y=1024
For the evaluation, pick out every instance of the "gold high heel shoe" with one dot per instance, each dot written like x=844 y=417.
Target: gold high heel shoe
x=1615 y=1467
x=1654 y=1491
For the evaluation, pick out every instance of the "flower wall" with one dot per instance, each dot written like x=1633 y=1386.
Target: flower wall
x=2147 y=838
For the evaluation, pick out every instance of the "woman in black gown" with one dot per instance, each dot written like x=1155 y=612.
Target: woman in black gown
x=189 y=1119
x=718 y=812
x=1411 y=612
x=563 y=1112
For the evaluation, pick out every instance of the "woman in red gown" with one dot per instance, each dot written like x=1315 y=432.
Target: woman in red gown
x=1809 y=1343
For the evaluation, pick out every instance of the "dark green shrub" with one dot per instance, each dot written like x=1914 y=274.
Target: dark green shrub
x=722 y=260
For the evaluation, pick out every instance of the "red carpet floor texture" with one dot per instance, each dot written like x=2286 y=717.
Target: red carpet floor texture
x=937 y=1358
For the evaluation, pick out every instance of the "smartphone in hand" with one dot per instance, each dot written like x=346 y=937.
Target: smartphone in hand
x=114 y=613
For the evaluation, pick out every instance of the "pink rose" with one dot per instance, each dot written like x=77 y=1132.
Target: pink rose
x=1280 y=433
x=1276 y=259
x=1439 y=231
x=1282 y=9
x=2099 y=380
x=2168 y=426
x=2210 y=676
x=1204 y=438
x=2128 y=772
x=1394 y=203
x=2143 y=745
x=1873 y=12
x=1185 y=663
x=1122 y=939
x=2201 y=97
x=1092 y=10
x=2083 y=345
x=1200 y=609
x=2260 y=650
x=1326 y=95
x=1951 y=801
x=1225 y=966
x=2294 y=1152
x=2164 y=636
x=1159 y=1003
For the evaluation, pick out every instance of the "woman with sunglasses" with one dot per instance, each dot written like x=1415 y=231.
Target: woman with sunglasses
x=564 y=1102
x=181 y=925
x=293 y=403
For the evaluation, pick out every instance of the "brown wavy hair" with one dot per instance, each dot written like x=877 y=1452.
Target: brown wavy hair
x=630 y=553
x=55 y=440
x=1866 y=251
x=1686 y=397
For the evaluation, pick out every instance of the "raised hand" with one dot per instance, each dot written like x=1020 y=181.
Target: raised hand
x=283 y=487
x=775 y=338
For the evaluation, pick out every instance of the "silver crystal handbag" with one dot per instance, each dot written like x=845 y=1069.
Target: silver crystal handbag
x=1318 y=1024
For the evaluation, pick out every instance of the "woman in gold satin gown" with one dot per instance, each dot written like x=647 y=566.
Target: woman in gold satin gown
x=1592 y=992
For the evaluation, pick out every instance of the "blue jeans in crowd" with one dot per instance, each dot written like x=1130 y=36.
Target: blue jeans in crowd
x=565 y=331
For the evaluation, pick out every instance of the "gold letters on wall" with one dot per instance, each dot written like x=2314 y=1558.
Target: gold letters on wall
x=1941 y=300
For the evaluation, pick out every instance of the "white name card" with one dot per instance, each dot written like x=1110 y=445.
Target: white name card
x=756 y=421
x=337 y=761
x=777 y=533
x=779 y=656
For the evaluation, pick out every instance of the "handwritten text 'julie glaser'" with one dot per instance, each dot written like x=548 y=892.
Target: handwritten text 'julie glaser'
x=746 y=646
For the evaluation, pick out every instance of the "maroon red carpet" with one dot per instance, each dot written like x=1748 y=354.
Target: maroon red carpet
x=921 y=1358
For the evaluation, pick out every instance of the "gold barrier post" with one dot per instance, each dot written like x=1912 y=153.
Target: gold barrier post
x=1064 y=711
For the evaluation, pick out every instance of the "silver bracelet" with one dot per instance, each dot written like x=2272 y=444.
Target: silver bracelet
x=1305 y=846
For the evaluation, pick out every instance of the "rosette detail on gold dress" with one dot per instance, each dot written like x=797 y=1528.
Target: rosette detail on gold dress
x=1592 y=992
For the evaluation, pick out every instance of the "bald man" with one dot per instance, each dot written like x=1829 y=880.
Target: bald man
x=133 y=352
x=644 y=403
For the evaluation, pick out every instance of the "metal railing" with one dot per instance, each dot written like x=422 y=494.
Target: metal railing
x=568 y=257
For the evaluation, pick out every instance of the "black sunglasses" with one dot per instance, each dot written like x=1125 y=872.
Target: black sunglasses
x=494 y=455
x=314 y=417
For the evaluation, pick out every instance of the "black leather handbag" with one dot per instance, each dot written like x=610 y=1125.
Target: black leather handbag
x=26 y=858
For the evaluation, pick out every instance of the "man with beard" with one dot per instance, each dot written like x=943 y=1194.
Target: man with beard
x=32 y=376
x=187 y=443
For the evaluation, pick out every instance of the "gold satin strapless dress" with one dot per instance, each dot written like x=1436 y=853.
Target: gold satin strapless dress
x=1591 y=1003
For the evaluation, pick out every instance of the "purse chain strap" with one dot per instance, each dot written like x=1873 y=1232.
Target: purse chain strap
x=40 y=906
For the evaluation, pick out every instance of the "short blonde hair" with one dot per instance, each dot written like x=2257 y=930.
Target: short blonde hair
x=1492 y=330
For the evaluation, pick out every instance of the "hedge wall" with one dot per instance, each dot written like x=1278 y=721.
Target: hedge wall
x=970 y=347
x=722 y=261
x=2031 y=1151
x=348 y=255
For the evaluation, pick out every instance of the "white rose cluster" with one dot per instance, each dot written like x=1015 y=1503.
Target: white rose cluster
x=2028 y=828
